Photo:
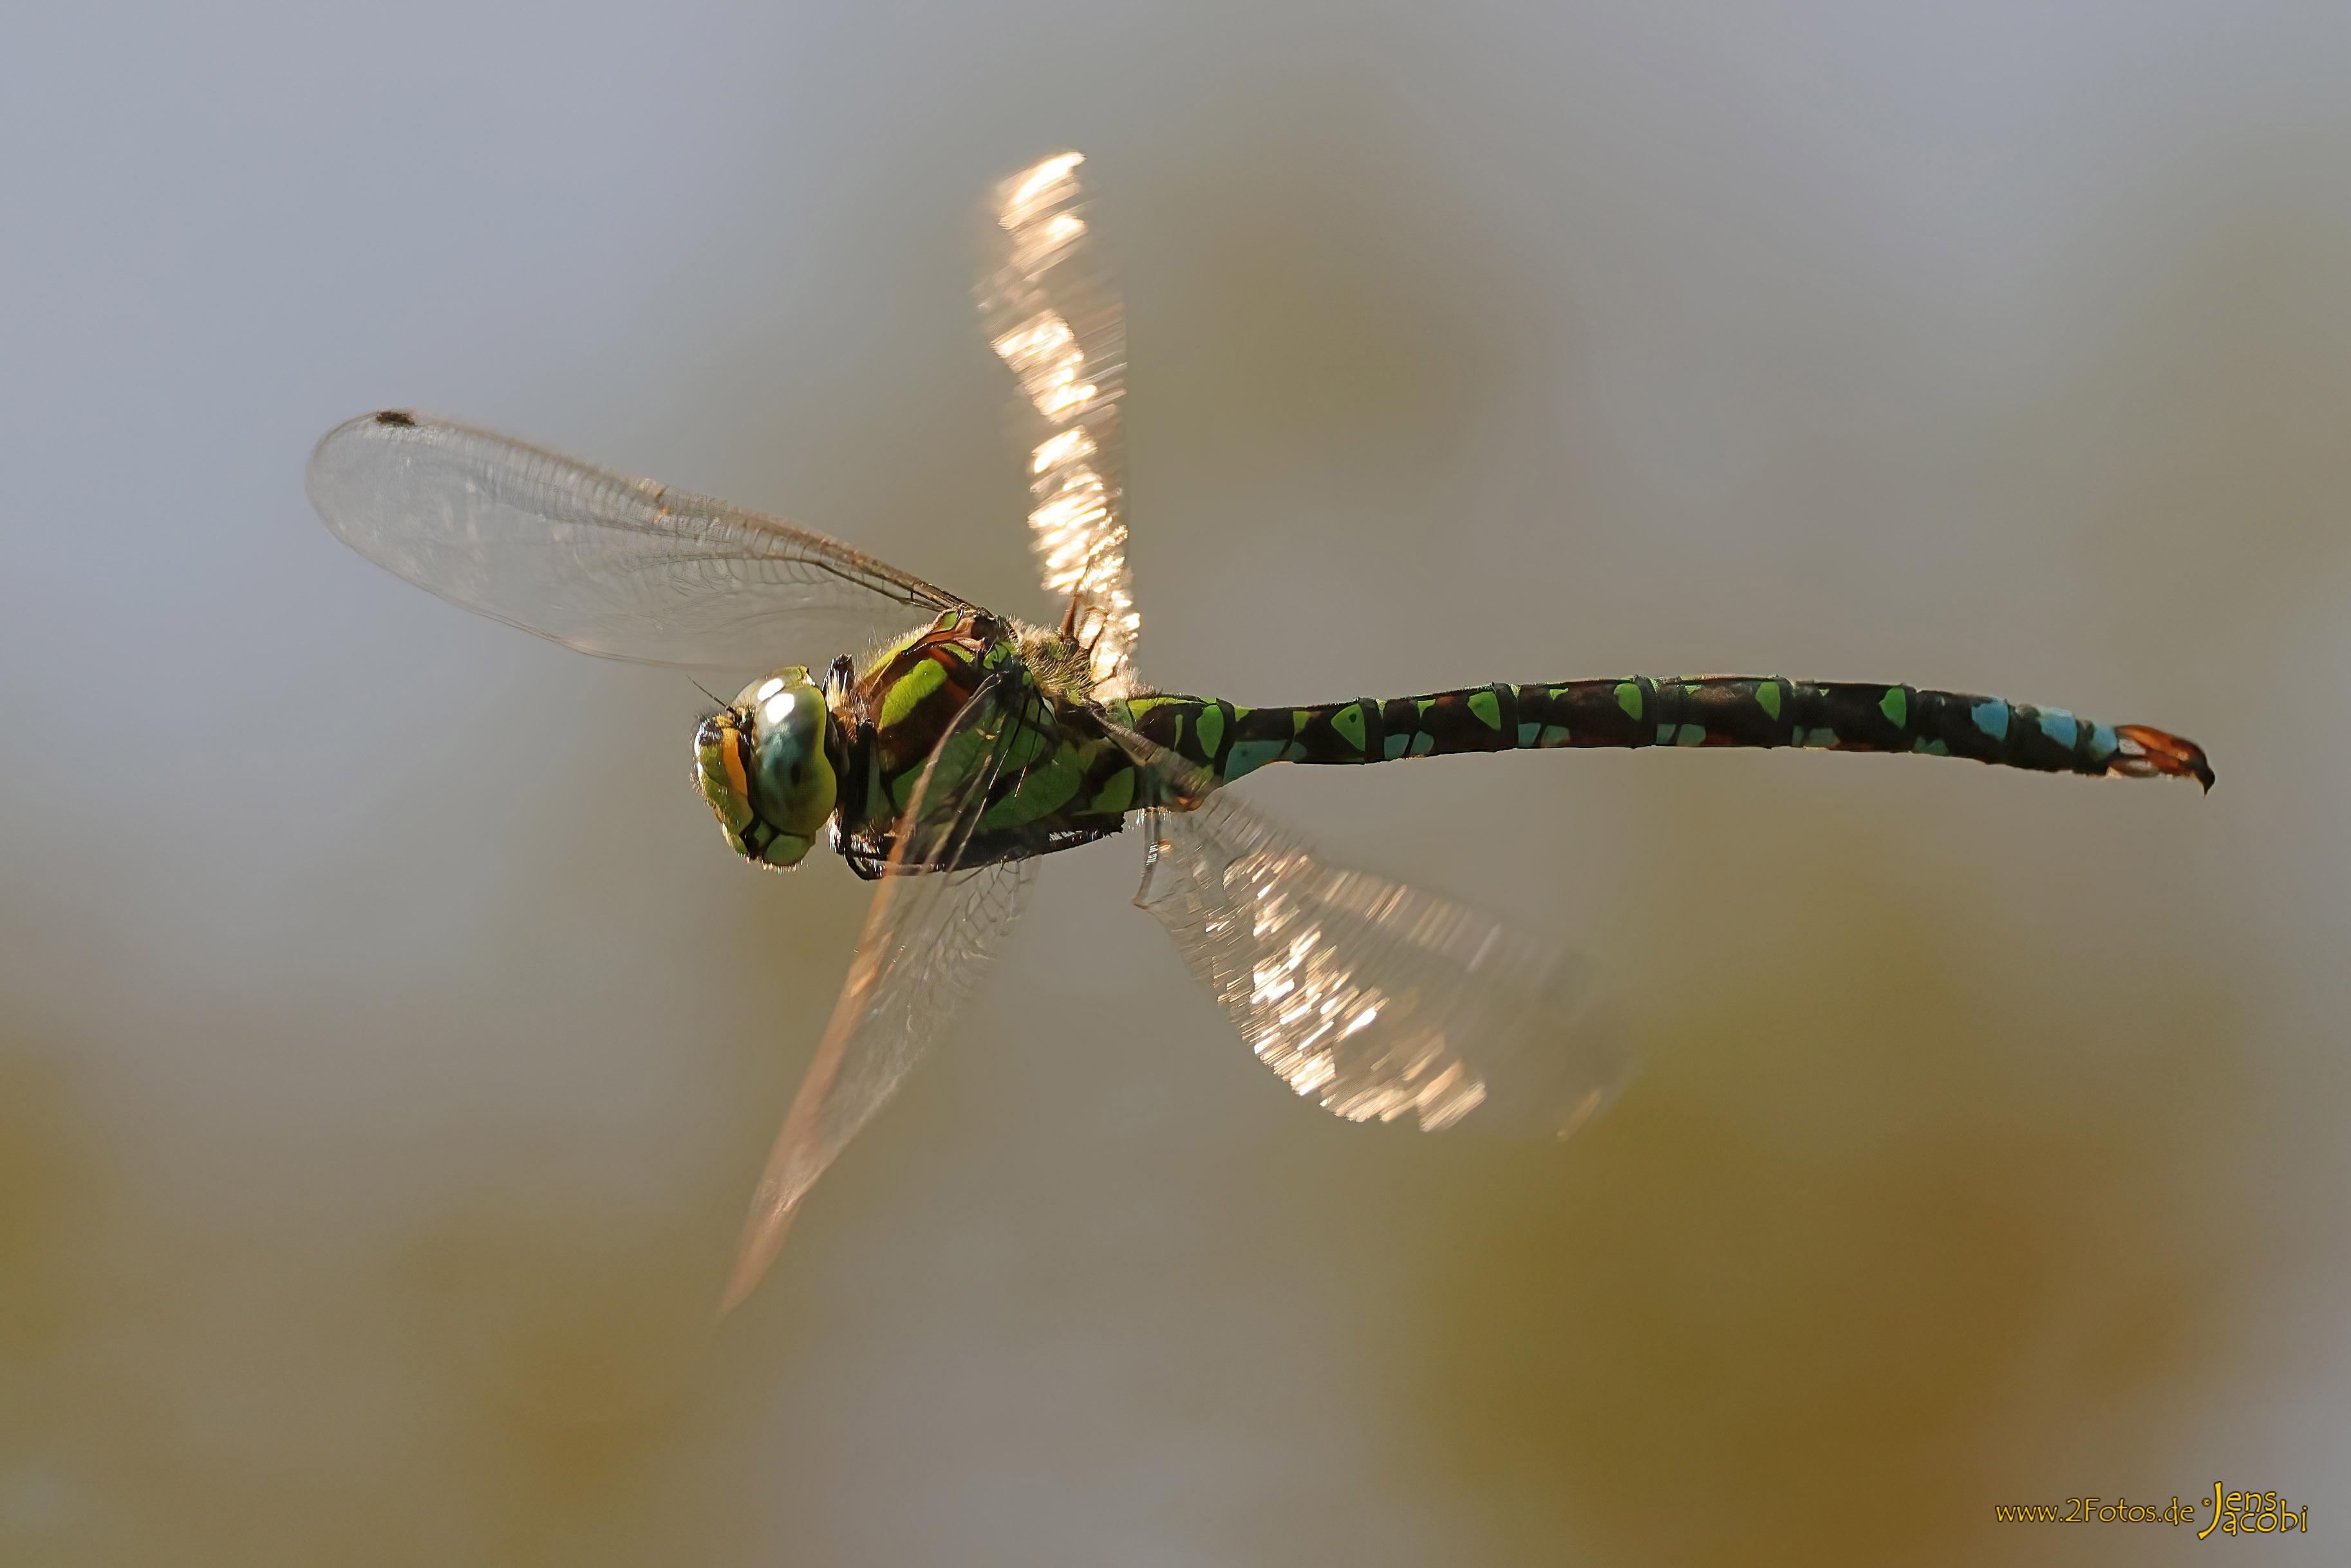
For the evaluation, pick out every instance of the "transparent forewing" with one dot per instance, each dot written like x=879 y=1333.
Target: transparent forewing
x=621 y=567
x=1376 y=1000
x=1050 y=308
x=928 y=940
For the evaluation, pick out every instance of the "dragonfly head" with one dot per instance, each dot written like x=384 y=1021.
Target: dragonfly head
x=762 y=764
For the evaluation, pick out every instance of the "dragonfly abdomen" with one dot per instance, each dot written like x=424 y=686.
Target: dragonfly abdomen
x=1637 y=711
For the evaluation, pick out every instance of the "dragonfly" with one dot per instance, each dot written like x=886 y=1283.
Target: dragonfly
x=951 y=748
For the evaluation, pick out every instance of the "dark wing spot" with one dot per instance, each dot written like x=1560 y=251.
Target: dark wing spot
x=399 y=419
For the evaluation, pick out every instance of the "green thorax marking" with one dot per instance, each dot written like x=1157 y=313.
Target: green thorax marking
x=926 y=677
x=1060 y=777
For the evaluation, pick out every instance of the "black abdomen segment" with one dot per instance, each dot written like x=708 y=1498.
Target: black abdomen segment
x=1706 y=710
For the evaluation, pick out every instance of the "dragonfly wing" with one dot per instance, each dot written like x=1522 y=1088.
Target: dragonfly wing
x=622 y=568
x=1051 y=310
x=1377 y=1001
x=928 y=939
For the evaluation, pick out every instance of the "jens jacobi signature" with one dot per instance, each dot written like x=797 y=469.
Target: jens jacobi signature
x=2233 y=1512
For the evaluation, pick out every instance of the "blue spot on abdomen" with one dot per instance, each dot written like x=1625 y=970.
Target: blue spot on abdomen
x=1249 y=755
x=1991 y=717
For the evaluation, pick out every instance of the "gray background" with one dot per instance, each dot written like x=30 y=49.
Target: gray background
x=389 y=1042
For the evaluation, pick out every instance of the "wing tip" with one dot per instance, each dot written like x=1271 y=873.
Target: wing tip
x=364 y=428
x=344 y=472
x=763 y=1237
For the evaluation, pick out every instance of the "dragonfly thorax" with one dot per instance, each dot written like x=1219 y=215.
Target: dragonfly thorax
x=761 y=764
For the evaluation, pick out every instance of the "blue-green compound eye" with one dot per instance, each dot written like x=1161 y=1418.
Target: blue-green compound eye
x=761 y=765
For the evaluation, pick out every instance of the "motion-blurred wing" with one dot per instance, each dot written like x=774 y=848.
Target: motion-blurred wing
x=1051 y=310
x=1376 y=1000
x=622 y=568
x=928 y=939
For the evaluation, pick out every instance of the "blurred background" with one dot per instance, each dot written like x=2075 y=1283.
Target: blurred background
x=390 y=1042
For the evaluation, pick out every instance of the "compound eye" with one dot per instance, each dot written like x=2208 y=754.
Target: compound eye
x=792 y=785
x=776 y=699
